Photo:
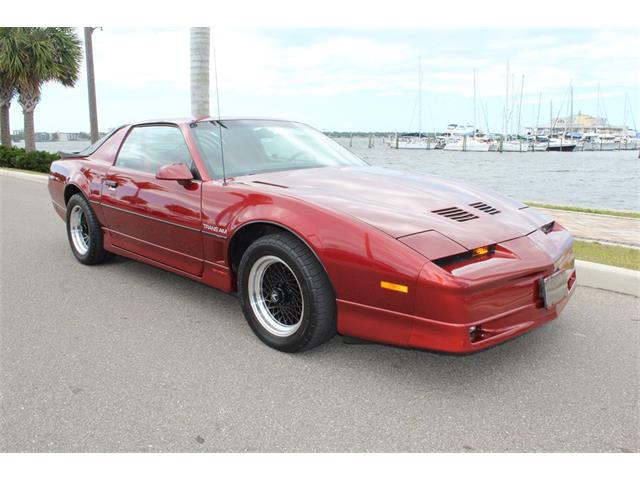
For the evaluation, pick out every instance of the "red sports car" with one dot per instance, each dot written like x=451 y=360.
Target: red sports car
x=313 y=239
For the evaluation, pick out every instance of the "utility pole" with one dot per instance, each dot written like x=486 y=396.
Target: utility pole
x=91 y=82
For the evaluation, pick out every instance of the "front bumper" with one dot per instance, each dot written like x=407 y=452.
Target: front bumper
x=480 y=334
x=474 y=306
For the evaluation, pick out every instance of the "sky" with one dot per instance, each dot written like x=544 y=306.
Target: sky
x=357 y=79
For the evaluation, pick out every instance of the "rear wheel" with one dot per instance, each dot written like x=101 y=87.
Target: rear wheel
x=84 y=232
x=285 y=294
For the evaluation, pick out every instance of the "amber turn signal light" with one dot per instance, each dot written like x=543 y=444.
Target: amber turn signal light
x=480 y=251
x=394 y=286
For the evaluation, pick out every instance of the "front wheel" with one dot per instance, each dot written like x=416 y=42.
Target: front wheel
x=285 y=294
x=84 y=232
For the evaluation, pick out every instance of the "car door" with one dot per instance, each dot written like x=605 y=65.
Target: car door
x=157 y=219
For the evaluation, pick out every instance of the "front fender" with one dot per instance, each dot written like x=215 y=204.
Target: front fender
x=356 y=256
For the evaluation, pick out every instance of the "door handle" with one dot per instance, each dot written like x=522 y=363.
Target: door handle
x=112 y=184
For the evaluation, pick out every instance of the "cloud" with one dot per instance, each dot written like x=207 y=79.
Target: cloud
x=288 y=70
x=135 y=59
x=267 y=62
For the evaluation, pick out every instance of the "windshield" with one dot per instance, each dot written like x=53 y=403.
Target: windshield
x=257 y=146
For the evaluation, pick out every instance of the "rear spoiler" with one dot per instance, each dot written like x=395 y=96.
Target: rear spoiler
x=76 y=154
x=90 y=149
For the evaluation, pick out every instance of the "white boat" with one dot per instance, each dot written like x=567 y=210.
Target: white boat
x=597 y=142
x=629 y=143
x=460 y=130
x=415 y=143
x=538 y=146
x=560 y=145
x=466 y=144
x=514 y=146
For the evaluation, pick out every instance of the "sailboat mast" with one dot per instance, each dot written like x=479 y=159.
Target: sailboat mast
x=474 y=103
x=598 y=108
x=419 y=97
x=624 y=115
x=520 y=106
x=550 y=116
x=506 y=104
x=538 y=116
x=571 y=100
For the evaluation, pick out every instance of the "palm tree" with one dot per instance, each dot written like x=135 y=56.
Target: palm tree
x=51 y=54
x=200 y=71
x=7 y=92
x=9 y=64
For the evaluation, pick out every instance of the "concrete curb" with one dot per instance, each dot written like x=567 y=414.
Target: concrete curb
x=614 y=279
x=589 y=274
x=34 y=177
x=551 y=210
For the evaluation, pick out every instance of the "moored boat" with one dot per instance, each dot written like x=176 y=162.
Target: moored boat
x=466 y=144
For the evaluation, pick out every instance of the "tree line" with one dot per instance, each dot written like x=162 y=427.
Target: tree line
x=29 y=58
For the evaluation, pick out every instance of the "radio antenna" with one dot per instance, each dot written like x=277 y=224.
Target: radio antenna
x=215 y=72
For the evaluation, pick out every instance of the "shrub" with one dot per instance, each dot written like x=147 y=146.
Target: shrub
x=37 y=161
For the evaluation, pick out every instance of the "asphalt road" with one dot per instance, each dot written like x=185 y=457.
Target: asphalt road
x=126 y=357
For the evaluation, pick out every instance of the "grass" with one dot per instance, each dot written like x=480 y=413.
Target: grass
x=8 y=169
x=614 y=213
x=607 y=254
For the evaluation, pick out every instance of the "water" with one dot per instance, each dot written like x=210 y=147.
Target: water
x=607 y=180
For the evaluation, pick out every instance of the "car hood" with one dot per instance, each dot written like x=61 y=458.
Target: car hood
x=401 y=204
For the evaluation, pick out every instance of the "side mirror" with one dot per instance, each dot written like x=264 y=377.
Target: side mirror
x=178 y=172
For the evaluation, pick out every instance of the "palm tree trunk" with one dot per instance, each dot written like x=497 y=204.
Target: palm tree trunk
x=200 y=71
x=6 y=95
x=29 y=132
x=4 y=126
x=28 y=101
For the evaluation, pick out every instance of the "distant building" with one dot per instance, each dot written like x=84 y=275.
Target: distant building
x=42 y=137
x=581 y=123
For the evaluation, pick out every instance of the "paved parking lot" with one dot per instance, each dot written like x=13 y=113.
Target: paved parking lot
x=126 y=357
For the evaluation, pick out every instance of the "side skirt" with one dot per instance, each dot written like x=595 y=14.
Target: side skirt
x=214 y=275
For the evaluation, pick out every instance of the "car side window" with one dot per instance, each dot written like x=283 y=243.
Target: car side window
x=147 y=148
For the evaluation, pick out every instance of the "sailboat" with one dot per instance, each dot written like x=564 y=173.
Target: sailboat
x=517 y=144
x=419 y=142
x=463 y=138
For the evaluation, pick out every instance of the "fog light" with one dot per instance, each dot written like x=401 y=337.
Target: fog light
x=475 y=333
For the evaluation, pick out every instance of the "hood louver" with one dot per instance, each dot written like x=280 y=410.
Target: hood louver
x=485 y=208
x=456 y=214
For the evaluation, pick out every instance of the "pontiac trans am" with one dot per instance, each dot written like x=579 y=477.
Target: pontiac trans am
x=313 y=240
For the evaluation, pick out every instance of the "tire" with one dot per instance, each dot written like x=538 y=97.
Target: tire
x=285 y=294
x=85 y=232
